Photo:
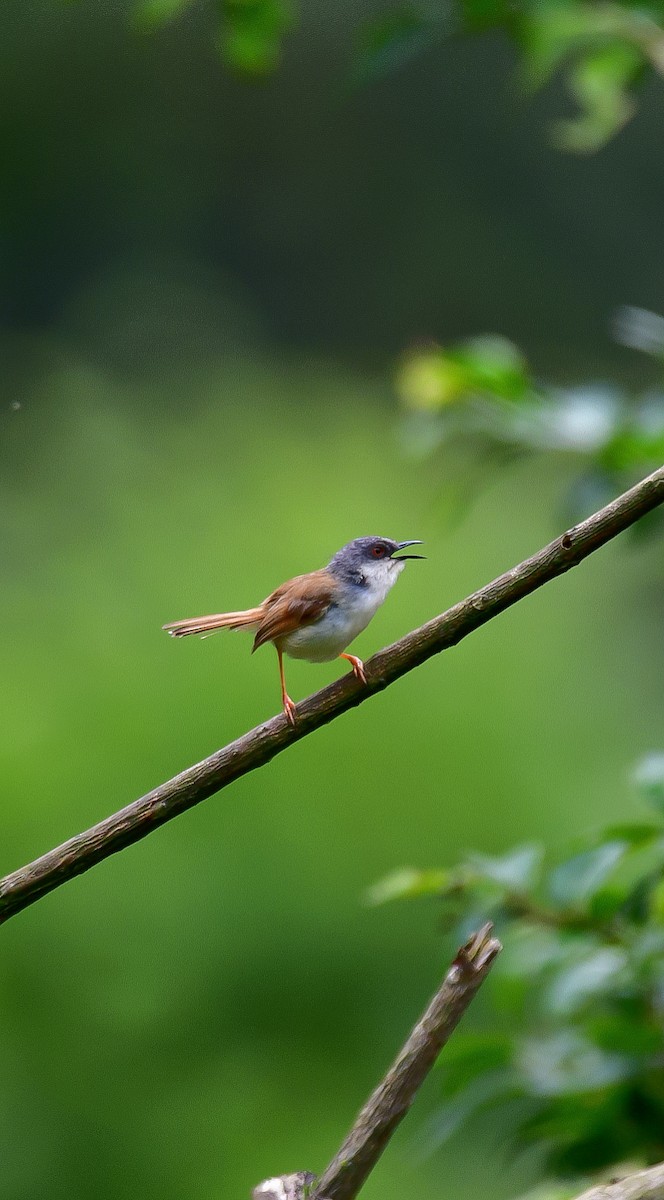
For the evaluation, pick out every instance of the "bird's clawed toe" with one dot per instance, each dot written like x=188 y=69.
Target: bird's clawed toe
x=289 y=709
x=357 y=665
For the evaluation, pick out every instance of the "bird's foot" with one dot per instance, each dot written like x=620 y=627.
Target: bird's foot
x=357 y=665
x=289 y=709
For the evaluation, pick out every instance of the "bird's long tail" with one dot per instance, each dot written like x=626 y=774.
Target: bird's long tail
x=248 y=619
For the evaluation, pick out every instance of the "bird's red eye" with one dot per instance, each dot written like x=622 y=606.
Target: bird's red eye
x=378 y=552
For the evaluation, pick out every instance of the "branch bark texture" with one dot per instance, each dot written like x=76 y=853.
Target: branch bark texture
x=642 y=1185
x=389 y=1103
x=26 y=885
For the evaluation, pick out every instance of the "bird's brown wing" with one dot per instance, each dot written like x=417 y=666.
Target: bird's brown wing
x=299 y=602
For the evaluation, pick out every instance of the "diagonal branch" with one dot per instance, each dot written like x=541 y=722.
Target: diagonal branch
x=642 y=1185
x=389 y=1103
x=261 y=744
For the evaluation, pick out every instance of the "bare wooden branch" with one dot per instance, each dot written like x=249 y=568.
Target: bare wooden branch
x=393 y=1097
x=26 y=885
x=642 y=1185
x=389 y=1103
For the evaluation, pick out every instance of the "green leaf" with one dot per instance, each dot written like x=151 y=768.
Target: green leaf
x=550 y=32
x=635 y=447
x=556 y=31
x=604 y=48
x=606 y=903
x=626 y=1034
x=391 y=40
x=529 y=950
x=251 y=34
x=599 y=83
x=575 y=880
x=567 y=1063
x=151 y=14
x=427 y=380
x=488 y=366
x=406 y=884
x=640 y=329
x=495 y=365
x=629 y=889
x=637 y=835
x=517 y=870
x=593 y=974
x=648 y=776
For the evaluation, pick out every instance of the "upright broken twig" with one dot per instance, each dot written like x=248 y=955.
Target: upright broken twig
x=389 y=1103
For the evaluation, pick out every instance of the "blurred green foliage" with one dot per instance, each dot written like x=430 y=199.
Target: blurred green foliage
x=477 y=405
x=249 y=32
x=150 y=14
x=604 y=50
x=577 y=1045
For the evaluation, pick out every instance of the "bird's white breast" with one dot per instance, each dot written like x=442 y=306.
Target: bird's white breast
x=325 y=639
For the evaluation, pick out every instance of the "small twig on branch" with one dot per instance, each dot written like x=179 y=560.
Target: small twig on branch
x=642 y=1185
x=390 y=1102
x=134 y=822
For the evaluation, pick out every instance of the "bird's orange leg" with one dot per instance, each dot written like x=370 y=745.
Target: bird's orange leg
x=289 y=707
x=357 y=665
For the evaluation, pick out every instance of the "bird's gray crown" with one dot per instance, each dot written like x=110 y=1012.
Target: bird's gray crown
x=352 y=560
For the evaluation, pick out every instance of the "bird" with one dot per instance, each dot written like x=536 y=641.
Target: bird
x=316 y=616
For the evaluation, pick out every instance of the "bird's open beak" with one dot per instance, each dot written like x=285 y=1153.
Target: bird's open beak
x=402 y=546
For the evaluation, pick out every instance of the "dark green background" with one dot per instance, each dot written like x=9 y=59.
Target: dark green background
x=205 y=285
